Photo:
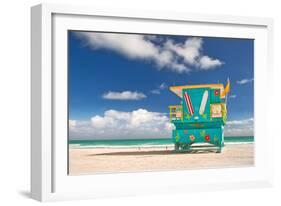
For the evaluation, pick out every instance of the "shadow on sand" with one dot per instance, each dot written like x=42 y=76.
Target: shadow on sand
x=161 y=152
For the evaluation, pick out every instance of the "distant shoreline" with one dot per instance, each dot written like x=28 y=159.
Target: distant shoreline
x=136 y=139
x=167 y=146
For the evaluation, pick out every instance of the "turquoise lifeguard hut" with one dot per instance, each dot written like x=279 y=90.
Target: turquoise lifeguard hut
x=200 y=118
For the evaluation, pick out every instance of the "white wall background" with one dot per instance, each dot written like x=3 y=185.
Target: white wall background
x=15 y=95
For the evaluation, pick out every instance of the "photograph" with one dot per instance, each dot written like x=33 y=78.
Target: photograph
x=158 y=102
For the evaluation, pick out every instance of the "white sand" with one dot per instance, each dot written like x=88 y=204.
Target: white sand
x=110 y=160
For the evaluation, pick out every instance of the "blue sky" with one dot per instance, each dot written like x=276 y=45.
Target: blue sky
x=120 y=81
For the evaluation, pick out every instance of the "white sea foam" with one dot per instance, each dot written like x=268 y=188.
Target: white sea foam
x=235 y=143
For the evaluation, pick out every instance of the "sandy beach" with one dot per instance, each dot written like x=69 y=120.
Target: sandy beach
x=110 y=160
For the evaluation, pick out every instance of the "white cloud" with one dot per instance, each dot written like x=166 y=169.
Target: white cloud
x=155 y=91
x=72 y=123
x=241 y=122
x=163 y=86
x=191 y=52
x=123 y=125
x=141 y=123
x=209 y=63
x=165 y=53
x=160 y=87
x=233 y=96
x=243 y=127
x=245 y=81
x=125 y=95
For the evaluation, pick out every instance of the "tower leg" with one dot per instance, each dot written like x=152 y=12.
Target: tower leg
x=177 y=146
x=220 y=147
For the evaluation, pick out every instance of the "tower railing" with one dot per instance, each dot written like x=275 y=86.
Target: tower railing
x=175 y=112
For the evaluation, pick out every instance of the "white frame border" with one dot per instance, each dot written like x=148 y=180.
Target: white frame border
x=42 y=86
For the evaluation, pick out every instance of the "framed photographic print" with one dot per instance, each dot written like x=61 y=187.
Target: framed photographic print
x=133 y=102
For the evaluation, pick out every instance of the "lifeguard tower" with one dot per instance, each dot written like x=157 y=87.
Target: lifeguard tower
x=200 y=118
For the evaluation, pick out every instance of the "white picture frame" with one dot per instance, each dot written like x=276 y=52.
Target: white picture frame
x=49 y=179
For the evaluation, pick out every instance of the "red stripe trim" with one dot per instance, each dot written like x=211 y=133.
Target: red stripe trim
x=188 y=102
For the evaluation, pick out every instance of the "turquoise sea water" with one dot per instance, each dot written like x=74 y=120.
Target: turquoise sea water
x=145 y=142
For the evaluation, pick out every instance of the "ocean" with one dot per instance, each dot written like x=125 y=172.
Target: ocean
x=145 y=142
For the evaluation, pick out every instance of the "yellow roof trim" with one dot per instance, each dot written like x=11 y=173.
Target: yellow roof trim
x=173 y=106
x=178 y=89
x=198 y=86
